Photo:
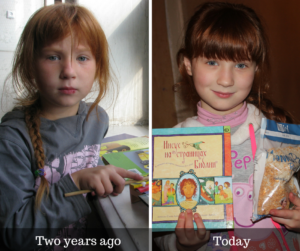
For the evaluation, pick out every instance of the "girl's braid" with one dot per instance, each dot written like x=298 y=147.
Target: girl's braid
x=32 y=119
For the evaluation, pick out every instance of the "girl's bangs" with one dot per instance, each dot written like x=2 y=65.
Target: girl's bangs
x=232 y=38
x=63 y=20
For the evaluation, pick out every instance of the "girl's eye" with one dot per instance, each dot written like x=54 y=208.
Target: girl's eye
x=211 y=62
x=241 y=66
x=53 y=58
x=82 y=58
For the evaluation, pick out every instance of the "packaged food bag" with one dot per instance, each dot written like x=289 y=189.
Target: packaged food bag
x=276 y=161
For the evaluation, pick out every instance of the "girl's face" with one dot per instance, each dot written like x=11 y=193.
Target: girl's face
x=222 y=85
x=64 y=76
x=188 y=190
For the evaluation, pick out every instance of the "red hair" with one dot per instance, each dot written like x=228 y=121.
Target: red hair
x=231 y=32
x=50 y=24
x=183 y=182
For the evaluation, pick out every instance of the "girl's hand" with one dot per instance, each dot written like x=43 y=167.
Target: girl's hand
x=103 y=180
x=187 y=237
x=289 y=218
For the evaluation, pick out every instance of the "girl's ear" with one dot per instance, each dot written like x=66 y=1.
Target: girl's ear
x=188 y=66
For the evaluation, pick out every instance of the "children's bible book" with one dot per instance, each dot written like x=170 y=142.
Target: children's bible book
x=192 y=170
x=128 y=152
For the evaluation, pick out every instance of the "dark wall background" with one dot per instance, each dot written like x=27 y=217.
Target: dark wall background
x=282 y=23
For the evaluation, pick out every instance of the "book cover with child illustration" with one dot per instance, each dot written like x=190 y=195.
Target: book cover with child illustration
x=192 y=170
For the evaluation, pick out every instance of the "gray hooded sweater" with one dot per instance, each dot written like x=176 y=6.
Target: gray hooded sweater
x=70 y=144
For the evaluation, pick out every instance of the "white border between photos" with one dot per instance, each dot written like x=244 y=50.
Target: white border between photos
x=150 y=124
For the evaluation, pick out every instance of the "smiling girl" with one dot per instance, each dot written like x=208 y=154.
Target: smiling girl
x=224 y=65
x=50 y=143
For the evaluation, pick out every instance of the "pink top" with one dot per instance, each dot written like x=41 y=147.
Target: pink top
x=233 y=119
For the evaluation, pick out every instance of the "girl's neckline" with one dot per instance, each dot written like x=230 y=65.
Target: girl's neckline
x=81 y=111
x=233 y=119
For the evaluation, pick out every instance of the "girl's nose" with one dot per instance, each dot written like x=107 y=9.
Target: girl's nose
x=67 y=69
x=225 y=77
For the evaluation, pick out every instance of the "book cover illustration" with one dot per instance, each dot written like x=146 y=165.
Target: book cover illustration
x=136 y=161
x=136 y=158
x=109 y=139
x=192 y=170
x=128 y=144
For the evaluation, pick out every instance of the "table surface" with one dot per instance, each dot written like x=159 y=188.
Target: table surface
x=122 y=219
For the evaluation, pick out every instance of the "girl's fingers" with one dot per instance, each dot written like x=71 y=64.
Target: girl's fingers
x=189 y=219
x=181 y=221
x=284 y=213
x=189 y=225
x=287 y=217
x=108 y=187
x=118 y=182
x=187 y=237
x=294 y=199
x=289 y=224
x=127 y=174
x=179 y=230
x=201 y=231
x=281 y=220
x=104 y=180
x=118 y=176
x=99 y=189
x=283 y=216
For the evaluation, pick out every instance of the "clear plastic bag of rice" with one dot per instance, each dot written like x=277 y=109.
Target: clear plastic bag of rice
x=276 y=161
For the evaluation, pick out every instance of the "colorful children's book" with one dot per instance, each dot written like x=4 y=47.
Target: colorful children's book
x=192 y=170
x=108 y=140
x=136 y=161
x=123 y=145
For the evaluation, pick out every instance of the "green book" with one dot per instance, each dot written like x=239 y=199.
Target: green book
x=124 y=145
x=136 y=161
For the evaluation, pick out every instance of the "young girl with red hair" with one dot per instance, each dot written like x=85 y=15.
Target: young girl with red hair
x=50 y=143
x=224 y=63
